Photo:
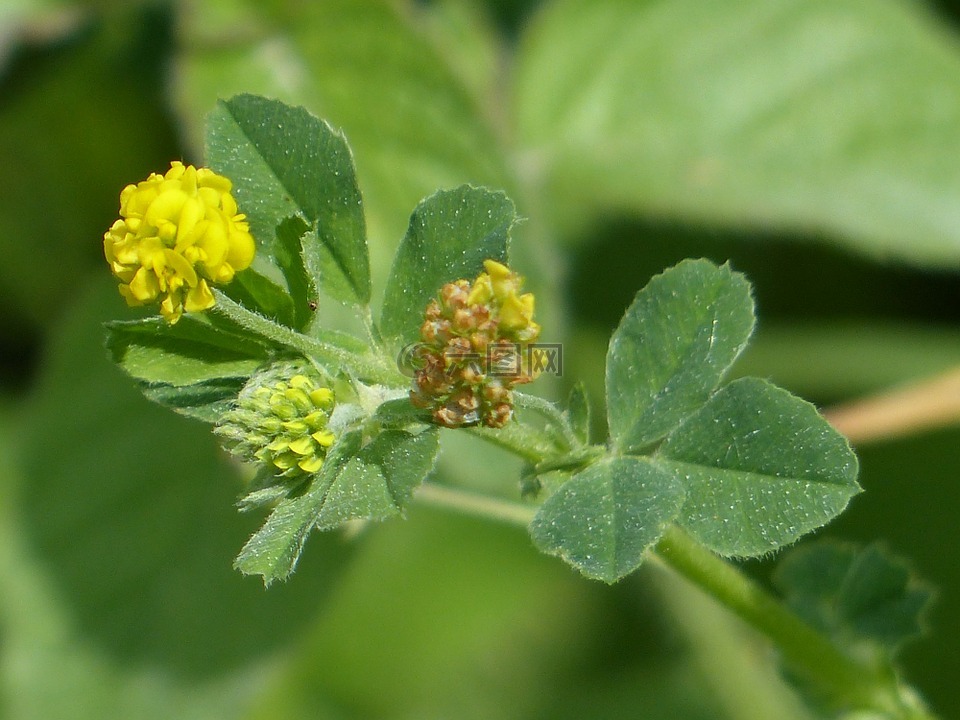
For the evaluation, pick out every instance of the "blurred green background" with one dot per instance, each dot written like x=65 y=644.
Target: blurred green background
x=812 y=144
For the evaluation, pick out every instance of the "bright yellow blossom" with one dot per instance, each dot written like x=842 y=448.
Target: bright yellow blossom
x=501 y=285
x=177 y=233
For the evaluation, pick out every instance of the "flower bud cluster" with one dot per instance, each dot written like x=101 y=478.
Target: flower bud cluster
x=176 y=233
x=280 y=421
x=474 y=349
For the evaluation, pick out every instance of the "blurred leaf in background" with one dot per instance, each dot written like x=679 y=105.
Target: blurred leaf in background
x=828 y=117
x=79 y=119
x=809 y=143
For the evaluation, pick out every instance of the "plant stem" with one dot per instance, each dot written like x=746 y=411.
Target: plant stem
x=551 y=412
x=847 y=683
x=476 y=505
x=930 y=403
x=523 y=441
x=367 y=367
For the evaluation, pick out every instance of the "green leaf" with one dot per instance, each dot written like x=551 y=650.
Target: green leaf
x=274 y=549
x=824 y=116
x=191 y=351
x=677 y=340
x=204 y=400
x=400 y=412
x=191 y=367
x=283 y=161
x=369 y=67
x=450 y=234
x=577 y=412
x=604 y=519
x=373 y=482
x=467 y=38
x=762 y=468
x=288 y=252
x=378 y=482
x=130 y=517
x=260 y=293
x=856 y=595
x=120 y=52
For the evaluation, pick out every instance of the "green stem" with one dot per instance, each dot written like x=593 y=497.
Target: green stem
x=522 y=440
x=551 y=412
x=850 y=684
x=481 y=506
x=370 y=368
x=373 y=333
x=847 y=683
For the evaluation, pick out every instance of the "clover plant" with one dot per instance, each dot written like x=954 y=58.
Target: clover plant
x=338 y=427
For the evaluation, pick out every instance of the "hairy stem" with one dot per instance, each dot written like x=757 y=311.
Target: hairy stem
x=481 y=506
x=847 y=683
x=551 y=412
x=368 y=367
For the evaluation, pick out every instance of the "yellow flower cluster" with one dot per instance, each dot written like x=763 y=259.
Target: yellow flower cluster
x=176 y=233
x=475 y=349
x=280 y=421
x=515 y=312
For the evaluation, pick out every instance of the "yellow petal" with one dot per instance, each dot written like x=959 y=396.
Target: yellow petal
x=324 y=438
x=123 y=272
x=221 y=274
x=496 y=270
x=482 y=290
x=171 y=308
x=242 y=248
x=128 y=296
x=125 y=196
x=302 y=446
x=193 y=254
x=286 y=461
x=322 y=398
x=301 y=382
x=317 y=419
x=528 y=301
x=180 y=266
x=530 y=333
x=228 y=204
x=108 y=242
x=199 y=298
x=135 y=199
x=209 y=196
x=514 y=313
x=503 y=281
x=214 y=242
x=166 y=208
x=188 y=180
x=144 y=286
x=192 y=212
x=310 y=464
x=176 y=170
x=149 y=253
x=207 y=178
x=278 y=446
x=299 y=398
x=298 y=427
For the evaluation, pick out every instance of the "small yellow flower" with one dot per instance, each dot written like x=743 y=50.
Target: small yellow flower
x=280 y=421
x=177 y=233
x=476 y=349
